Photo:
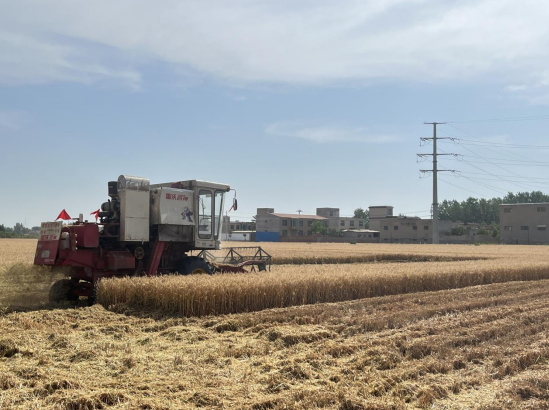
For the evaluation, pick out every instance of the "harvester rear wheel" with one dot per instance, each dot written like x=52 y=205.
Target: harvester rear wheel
x=61 y=291
x=193 y=265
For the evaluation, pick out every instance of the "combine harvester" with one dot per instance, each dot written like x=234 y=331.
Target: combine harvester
x=144 y=229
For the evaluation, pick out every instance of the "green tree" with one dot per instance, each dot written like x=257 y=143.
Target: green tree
x=525 y=197
x=363 y=214
x=333 y=232
x=474 y=210
x=318 y=227
x=2 y=228
x=20 y=229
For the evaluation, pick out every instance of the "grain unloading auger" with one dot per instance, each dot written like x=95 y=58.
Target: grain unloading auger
x=143 y=229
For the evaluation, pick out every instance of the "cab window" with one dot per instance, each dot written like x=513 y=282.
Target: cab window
x=218 y=212
x=205 y=207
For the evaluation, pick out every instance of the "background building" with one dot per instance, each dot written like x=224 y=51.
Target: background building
x=524 y=223
x=237 y=230
x=403 y=229
x=361 y=235
x=377 y=213
x=274 y=227
x=339 y=223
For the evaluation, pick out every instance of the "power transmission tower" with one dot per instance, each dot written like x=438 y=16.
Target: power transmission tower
x=435 y=172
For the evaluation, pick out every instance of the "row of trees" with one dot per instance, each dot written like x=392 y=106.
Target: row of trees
x=18 y=230
x=485 y=211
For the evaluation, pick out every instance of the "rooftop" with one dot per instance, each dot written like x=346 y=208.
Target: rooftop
x=526 y=203
x=297 y=216
x=360 y=230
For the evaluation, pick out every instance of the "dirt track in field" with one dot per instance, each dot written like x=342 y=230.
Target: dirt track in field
x=482 y=347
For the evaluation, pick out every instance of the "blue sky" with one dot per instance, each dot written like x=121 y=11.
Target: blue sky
x=296 y=104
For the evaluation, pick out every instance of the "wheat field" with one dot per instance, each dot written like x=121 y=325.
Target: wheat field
x=303 y=273
x=307 y=277
x=168 y=343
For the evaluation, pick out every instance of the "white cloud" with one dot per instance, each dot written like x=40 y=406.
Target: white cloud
x=516 y=88
x=26 y=59
x=275 y=41
x=327 y=134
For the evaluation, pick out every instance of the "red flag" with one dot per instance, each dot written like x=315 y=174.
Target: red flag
x=63 y=215
x=96 y=213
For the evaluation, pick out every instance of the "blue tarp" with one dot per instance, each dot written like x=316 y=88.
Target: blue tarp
x=267 y=237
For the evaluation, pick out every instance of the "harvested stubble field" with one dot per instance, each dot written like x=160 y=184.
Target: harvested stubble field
x=482 y=347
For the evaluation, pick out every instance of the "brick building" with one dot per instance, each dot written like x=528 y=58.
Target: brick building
x=524 y=224
x=273 y=226
x=237 y=230
x=403 y=229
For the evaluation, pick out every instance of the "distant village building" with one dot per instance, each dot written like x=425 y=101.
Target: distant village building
x=376 y=213
x=339 y=223
x=384 y=227
x=243 y=231
x=361 y=235
x=403 y=229
x=274 y=227
x=524 y=224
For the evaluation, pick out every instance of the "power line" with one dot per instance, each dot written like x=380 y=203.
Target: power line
x=501 y=163
x=507 y=153
x=489 y=173
x=462 y=141
x=504 y=144
x=415 y=212
x=490 y=161
x=457 y=186
x=532 y=118
x=482 y=184
x=500 y=159
x=530 y=185
x=497 y=165
x=477 y=173
x=504 y=178
x=457 y=174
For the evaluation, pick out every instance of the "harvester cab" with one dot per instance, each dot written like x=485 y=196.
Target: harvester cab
x=187 y=212
x=142 y=229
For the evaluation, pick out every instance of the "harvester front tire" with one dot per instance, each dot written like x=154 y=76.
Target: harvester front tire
x=194 y=266
x=92 y=298
x=62 y=291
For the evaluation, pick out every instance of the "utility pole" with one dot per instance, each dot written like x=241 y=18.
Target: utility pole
x=435 y=172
